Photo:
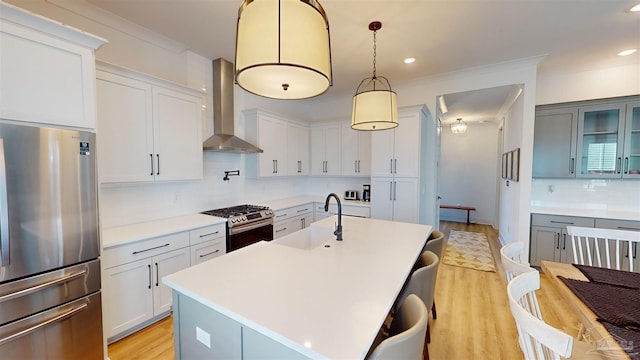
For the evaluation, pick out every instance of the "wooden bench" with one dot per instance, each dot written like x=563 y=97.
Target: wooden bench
x=467 y=208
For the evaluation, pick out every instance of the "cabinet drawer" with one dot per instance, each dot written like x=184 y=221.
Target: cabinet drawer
x=618 y=224
x=288 y=213
x=143 y=249
x=201 y=235
x=207 y=250
x=561 y=221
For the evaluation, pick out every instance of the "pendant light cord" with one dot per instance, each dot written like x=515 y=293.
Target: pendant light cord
x=374 y=54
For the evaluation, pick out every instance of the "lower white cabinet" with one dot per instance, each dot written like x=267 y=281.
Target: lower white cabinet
x=290 y=220
x=207 y=243
x=134 y=291
x=395 y=199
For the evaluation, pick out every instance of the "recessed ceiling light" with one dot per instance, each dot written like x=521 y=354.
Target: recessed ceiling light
x=635 y=8
x=627 y=52
x=409 y=60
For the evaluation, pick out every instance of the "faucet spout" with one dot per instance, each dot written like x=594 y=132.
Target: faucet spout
x=338 y=232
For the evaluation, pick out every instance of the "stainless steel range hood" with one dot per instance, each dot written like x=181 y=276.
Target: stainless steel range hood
x=223 y=138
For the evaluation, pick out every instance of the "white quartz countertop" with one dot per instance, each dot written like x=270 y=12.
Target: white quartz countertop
x=301 y=200
x=141 y=231
x=593 y=212
x=324 y=302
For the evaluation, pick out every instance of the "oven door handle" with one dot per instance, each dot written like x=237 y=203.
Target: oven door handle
x=255 y=225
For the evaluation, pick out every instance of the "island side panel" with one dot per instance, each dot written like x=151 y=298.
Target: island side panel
x=258 y=346
x=202 y=333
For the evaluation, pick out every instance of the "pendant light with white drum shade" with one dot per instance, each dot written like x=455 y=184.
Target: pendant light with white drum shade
x=283 y=49
x=375 y=105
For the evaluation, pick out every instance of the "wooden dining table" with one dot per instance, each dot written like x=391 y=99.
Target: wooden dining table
x=597 y=332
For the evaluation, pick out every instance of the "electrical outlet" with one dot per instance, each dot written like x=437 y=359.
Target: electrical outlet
x=204 y=337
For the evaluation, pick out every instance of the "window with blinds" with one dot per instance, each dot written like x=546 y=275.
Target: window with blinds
x=601 y=157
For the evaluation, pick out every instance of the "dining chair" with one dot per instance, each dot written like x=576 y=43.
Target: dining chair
x=435 y=244
x=539 y=340
x=610 y=248
x=512 y=268
x=407 y=332
x=422 y=283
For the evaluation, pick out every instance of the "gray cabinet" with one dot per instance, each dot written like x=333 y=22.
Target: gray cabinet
x=554 y=143
x=549 y=240
x=594 y=139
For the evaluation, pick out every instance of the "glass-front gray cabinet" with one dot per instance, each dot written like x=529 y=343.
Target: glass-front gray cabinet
x=594 y=139
x=554 y=143
x=631 y=153
x=601 y=132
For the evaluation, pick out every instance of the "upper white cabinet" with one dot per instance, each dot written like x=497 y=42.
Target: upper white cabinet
x=325 y=150
x=396 y=152
x=148 y=129
x=356 y=151
x=297 y=149
x=48 y=70
x=285 y=144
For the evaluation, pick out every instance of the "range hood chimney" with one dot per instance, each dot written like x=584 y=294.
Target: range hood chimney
x=223 y=138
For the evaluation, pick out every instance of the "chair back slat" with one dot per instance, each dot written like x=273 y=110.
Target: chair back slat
x=610 y=248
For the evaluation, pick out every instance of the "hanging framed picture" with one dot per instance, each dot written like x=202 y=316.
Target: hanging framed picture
x=504 y=166
x=515 y=165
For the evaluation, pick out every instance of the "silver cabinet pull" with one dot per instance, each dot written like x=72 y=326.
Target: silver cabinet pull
x=5 y=258
x=44 y=285
x=618 y=165
x=391 y=190
x=626 y=165
x=390 y=166
x=572 y=167
x=45 y=323
x=153 y=248
x=395 y=166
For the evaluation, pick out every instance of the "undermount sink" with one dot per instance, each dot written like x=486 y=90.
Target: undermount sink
x=309 y=238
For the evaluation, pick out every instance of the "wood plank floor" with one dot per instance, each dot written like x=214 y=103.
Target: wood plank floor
x=473 y=316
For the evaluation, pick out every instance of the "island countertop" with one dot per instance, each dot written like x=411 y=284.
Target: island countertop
x=322 y=302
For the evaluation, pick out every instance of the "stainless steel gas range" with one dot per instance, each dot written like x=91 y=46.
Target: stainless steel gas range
x=246 y=224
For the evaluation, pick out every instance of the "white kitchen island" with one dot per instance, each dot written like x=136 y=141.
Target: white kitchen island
x=304 y=295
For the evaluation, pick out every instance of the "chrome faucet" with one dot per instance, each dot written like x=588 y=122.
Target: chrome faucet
x=338 y=232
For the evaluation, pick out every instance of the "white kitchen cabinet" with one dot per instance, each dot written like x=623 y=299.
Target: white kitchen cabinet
x=148 y=130
x=285 y=144
x=297 y=150
x=347 y=210
x=554 y=143
x=396 y=152
x=289 y=220
x=325 y=150
x=133 y=289
x=48 y=71
x=207 y=243
x=395 y=199
x=356 y=151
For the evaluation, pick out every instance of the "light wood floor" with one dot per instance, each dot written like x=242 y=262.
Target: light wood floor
x=473 y=316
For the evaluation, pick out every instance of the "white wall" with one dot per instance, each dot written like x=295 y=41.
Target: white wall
x=468 y=172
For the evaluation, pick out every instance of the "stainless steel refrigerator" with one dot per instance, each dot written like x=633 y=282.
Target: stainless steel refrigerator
x=50 y=304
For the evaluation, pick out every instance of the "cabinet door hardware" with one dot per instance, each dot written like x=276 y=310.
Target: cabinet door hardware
x=209 y=253
x=151 y=157
x=618 y=165
x=276 y=166
x=626 y=165
x=209 y=234
x=157 y=274
x=273 y=167
x=558 y=239
x=149 y=268
x=572 y=168
x=564 y=241
x=153 y=248
x=283 y=229
x=158 y=158
x=395 y=166
x=561 y=222
x=390 y=166
x=355 y=166
x=303 y=210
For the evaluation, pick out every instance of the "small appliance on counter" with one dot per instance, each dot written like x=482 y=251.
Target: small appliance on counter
x=366 y=192
x=351 y=195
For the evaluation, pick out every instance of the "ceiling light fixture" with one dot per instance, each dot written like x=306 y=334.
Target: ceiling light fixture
x=627 y=52
x=635 y=8
x=459 y=127
x=375 y=105
x=409 y=60
x=283 y=49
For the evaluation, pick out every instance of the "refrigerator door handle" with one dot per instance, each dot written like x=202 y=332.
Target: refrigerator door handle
x=45 y=323
x=44 y=285
x=4 y=211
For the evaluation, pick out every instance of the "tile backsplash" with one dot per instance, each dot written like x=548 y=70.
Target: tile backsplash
x=592 y=194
